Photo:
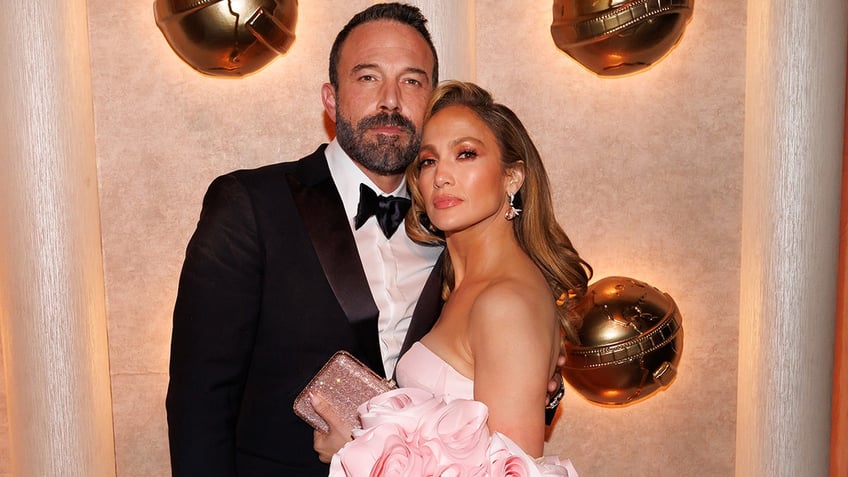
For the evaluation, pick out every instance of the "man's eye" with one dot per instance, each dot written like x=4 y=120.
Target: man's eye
x=413 y=82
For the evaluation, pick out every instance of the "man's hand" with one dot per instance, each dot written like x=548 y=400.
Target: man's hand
x=555 y=385
x=556 y=389
x=328 y=443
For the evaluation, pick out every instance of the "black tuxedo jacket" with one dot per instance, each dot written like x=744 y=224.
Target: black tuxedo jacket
x=271 y=287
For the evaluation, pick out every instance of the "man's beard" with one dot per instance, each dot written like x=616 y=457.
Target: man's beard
x=386 y=155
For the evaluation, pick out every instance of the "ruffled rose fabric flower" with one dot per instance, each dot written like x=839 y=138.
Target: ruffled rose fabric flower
x=404 y=407
x=398 y=458
x=411 y=432
x=456 y=432
x=506 y=459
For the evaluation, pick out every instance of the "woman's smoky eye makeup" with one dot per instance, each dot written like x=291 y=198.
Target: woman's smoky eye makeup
x=421 y=162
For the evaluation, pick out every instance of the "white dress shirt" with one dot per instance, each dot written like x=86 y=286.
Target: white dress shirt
x=396 y=268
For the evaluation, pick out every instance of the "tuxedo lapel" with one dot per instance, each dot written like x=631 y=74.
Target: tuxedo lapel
x=320 y=208
x=427 y=309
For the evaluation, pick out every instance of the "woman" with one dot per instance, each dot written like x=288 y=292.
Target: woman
x=511 y=273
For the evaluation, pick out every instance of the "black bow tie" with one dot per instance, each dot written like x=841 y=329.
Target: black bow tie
x=390 y=210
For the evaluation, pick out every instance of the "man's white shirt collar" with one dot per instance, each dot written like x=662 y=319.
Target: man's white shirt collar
x=347 y=177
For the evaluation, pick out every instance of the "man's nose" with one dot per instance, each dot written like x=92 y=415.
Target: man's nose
x=390 y=97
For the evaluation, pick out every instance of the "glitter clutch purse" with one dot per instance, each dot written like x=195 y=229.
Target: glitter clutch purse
x=345 y=383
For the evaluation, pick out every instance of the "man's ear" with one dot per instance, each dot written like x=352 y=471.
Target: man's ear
x=515 y=177
x=328 y=97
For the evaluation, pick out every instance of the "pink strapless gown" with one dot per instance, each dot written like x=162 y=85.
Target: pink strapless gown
x=431 y=426
x=421 y=368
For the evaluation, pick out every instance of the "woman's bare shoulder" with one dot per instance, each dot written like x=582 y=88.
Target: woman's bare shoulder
x=512 y=299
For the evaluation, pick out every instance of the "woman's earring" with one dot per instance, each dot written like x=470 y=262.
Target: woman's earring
x=512 y=212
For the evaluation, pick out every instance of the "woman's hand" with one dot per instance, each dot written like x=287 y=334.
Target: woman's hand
x=328 y=443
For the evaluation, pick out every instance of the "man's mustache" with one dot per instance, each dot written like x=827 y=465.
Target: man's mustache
x=386 y=119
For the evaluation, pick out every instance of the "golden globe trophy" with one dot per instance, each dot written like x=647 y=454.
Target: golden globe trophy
x=224 y=38
x=631 y=339
x=619 y=37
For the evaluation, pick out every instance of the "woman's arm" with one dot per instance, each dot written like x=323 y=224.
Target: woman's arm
x=514 y=338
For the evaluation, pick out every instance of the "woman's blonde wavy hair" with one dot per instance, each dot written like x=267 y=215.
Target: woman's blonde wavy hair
x=536 y=229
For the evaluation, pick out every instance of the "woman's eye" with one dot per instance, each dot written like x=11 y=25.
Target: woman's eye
x=425 y=163
x=467 y=154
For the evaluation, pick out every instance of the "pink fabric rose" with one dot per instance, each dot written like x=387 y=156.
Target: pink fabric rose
x=460 y=470
x=506 y=459
x=403 y=407
x=503 y=462
x=457 y=432
x=358 y=456
x=401 y=460
x=510 y=466
x=551 y=465
x=410 y=432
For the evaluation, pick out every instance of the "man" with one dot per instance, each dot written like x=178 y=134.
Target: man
x=282 y=272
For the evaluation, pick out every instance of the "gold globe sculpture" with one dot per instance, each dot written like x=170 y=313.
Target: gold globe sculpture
x=227 y=37
x=631 y=340
x=619 y=37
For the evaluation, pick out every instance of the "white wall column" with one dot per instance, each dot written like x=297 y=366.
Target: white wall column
x=794 y=113
x=452 y=24
x=52 y=304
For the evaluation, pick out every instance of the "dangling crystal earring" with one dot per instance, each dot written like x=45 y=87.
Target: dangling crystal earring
x=512 y=212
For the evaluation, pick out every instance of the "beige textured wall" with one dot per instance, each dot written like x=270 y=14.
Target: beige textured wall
x=647 y=172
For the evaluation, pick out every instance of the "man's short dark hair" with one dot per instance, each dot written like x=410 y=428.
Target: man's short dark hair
x=397 y=12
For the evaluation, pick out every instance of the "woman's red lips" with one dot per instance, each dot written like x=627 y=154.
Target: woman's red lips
x=445 y=201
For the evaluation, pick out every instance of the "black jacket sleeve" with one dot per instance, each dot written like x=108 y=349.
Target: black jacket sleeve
x=214 y=326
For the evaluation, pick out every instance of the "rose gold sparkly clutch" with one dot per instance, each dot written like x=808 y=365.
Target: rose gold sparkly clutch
x=345 y=383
